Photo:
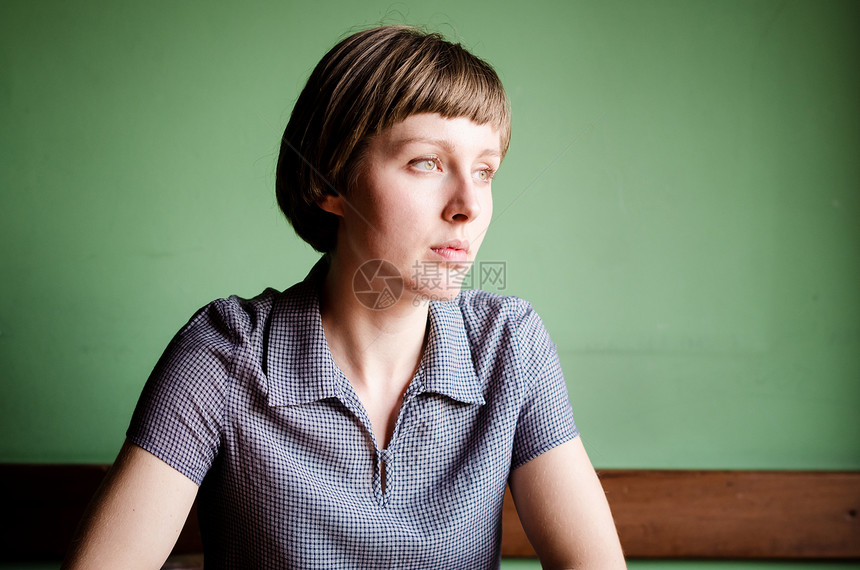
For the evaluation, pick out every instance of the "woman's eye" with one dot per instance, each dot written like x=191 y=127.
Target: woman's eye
x=484 y=175
x=427 y=164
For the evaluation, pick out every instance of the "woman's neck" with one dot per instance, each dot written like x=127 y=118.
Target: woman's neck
x=379 y=349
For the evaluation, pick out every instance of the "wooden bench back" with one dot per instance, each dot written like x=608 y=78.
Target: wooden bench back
x=659 y=514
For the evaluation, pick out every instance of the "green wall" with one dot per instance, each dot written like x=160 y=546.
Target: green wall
x=680 y=202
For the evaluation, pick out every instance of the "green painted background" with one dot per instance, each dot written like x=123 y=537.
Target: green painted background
x=680 y=202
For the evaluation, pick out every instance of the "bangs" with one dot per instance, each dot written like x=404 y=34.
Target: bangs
x=394 y=72
x=453 y=84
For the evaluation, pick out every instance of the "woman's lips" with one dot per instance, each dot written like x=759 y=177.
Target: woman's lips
x=452 y=254
x=454 y=250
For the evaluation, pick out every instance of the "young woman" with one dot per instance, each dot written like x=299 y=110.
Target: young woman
x=371 y=415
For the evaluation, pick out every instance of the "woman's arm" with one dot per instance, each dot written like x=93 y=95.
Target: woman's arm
x=564 y=510
x=136 y=515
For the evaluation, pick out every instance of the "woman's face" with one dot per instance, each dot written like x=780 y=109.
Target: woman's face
x=422 y=201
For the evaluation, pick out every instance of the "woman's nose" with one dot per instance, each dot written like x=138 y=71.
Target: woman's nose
x=464 y=199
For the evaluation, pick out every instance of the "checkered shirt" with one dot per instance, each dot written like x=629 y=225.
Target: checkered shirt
x=247 y=402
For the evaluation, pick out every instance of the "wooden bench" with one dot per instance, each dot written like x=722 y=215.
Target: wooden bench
x=659 y=514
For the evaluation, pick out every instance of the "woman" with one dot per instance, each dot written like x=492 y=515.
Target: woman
x=372 y=415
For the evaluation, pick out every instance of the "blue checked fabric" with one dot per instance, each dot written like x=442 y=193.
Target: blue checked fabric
x=247 y=402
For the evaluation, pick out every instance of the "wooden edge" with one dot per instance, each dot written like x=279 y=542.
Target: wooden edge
x=725 y=515
x=659 y=514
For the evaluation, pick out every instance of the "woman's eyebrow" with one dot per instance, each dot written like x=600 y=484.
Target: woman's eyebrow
x=444 y=144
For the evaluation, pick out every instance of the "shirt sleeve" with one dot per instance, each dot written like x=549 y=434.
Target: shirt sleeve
x=179 y=415
x=546 y=416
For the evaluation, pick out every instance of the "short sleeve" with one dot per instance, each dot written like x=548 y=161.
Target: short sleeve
x=546 y=417
x=179 y=415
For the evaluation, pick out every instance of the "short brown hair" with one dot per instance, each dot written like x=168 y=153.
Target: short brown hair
x=365 y=84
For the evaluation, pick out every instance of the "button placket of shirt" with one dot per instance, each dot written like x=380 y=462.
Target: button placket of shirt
x=386 y=457
x=346 y=394
x=383 y=465
x=382 y=457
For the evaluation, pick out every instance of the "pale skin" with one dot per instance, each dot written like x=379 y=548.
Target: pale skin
x=423 y=196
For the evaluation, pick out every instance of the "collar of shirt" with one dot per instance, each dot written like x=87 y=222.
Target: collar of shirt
x=300 y=368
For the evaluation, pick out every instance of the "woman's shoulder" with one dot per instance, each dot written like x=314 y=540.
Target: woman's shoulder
x=478 y=300
x=230 y=319
x=502 y=318
x=482 y=308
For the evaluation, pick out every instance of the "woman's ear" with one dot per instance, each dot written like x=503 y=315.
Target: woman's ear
x=332 y=204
